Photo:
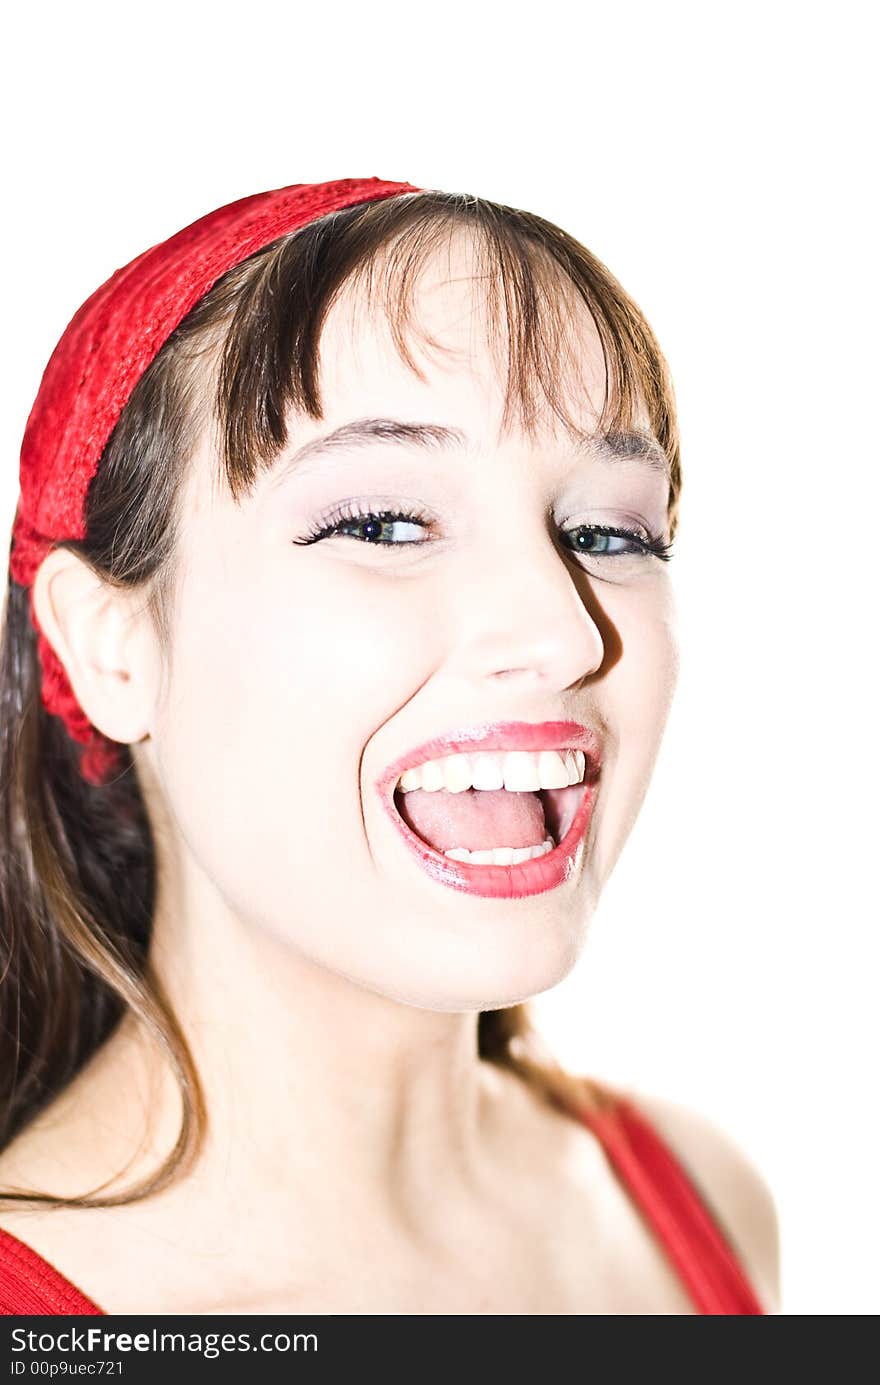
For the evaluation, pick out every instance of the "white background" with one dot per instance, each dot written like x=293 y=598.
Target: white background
x=720 y=160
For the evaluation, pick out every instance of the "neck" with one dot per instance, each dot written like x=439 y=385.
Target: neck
x=380 y=1111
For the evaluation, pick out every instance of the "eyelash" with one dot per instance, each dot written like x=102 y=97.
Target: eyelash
x=350 y=514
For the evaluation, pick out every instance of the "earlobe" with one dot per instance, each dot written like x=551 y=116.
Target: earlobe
x=92 y=627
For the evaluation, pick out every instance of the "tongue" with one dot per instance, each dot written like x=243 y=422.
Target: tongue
x=477 y=819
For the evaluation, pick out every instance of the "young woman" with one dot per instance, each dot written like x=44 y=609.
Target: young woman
x=338 y=649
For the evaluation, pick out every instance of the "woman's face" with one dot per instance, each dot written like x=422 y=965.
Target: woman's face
x=303 y=672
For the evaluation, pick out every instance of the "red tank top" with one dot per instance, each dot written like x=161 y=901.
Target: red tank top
x=660 y=1187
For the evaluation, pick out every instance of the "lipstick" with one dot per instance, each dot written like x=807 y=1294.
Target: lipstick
x=527 y=877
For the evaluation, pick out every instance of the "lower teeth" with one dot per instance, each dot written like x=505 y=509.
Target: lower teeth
x=500 y=855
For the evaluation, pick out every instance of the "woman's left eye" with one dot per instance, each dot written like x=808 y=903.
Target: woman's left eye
x=375 y=527
x=599 y=541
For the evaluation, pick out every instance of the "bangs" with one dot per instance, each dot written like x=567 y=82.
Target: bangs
x=535 y=282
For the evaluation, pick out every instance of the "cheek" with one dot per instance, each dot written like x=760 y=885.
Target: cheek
x=277 y=686
x=636 y=695
x=645 y=677
x=331 y=662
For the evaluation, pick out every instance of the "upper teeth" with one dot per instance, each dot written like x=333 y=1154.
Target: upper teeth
x=517 y=770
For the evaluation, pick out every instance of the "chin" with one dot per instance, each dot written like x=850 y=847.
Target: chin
x=474 y=973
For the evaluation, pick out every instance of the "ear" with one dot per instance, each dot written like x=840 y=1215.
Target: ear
x=104 y=639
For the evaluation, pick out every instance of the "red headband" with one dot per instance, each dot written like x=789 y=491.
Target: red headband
x=101 y=356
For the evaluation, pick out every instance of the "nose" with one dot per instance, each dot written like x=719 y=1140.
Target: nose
x=526 y=612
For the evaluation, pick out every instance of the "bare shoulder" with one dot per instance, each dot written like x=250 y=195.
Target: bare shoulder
x=735 y=1189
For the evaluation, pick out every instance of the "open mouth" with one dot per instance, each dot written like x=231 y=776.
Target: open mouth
x=491 y=827
x=494 y=808
x=501 y=810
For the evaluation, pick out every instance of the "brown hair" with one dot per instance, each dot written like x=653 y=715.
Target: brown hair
x=77 y=865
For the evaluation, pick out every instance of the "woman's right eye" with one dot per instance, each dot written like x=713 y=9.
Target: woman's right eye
x=372 y=524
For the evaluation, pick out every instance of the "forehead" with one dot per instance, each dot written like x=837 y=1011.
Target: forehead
x=504 y=354
x=455 y=333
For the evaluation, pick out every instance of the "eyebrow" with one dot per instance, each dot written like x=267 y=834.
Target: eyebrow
x=616 y=446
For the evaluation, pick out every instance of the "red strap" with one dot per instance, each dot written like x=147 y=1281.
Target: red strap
x=29 y=1284
x=667 y=1195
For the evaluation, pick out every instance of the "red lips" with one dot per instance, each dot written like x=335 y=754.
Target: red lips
x=527 y=877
